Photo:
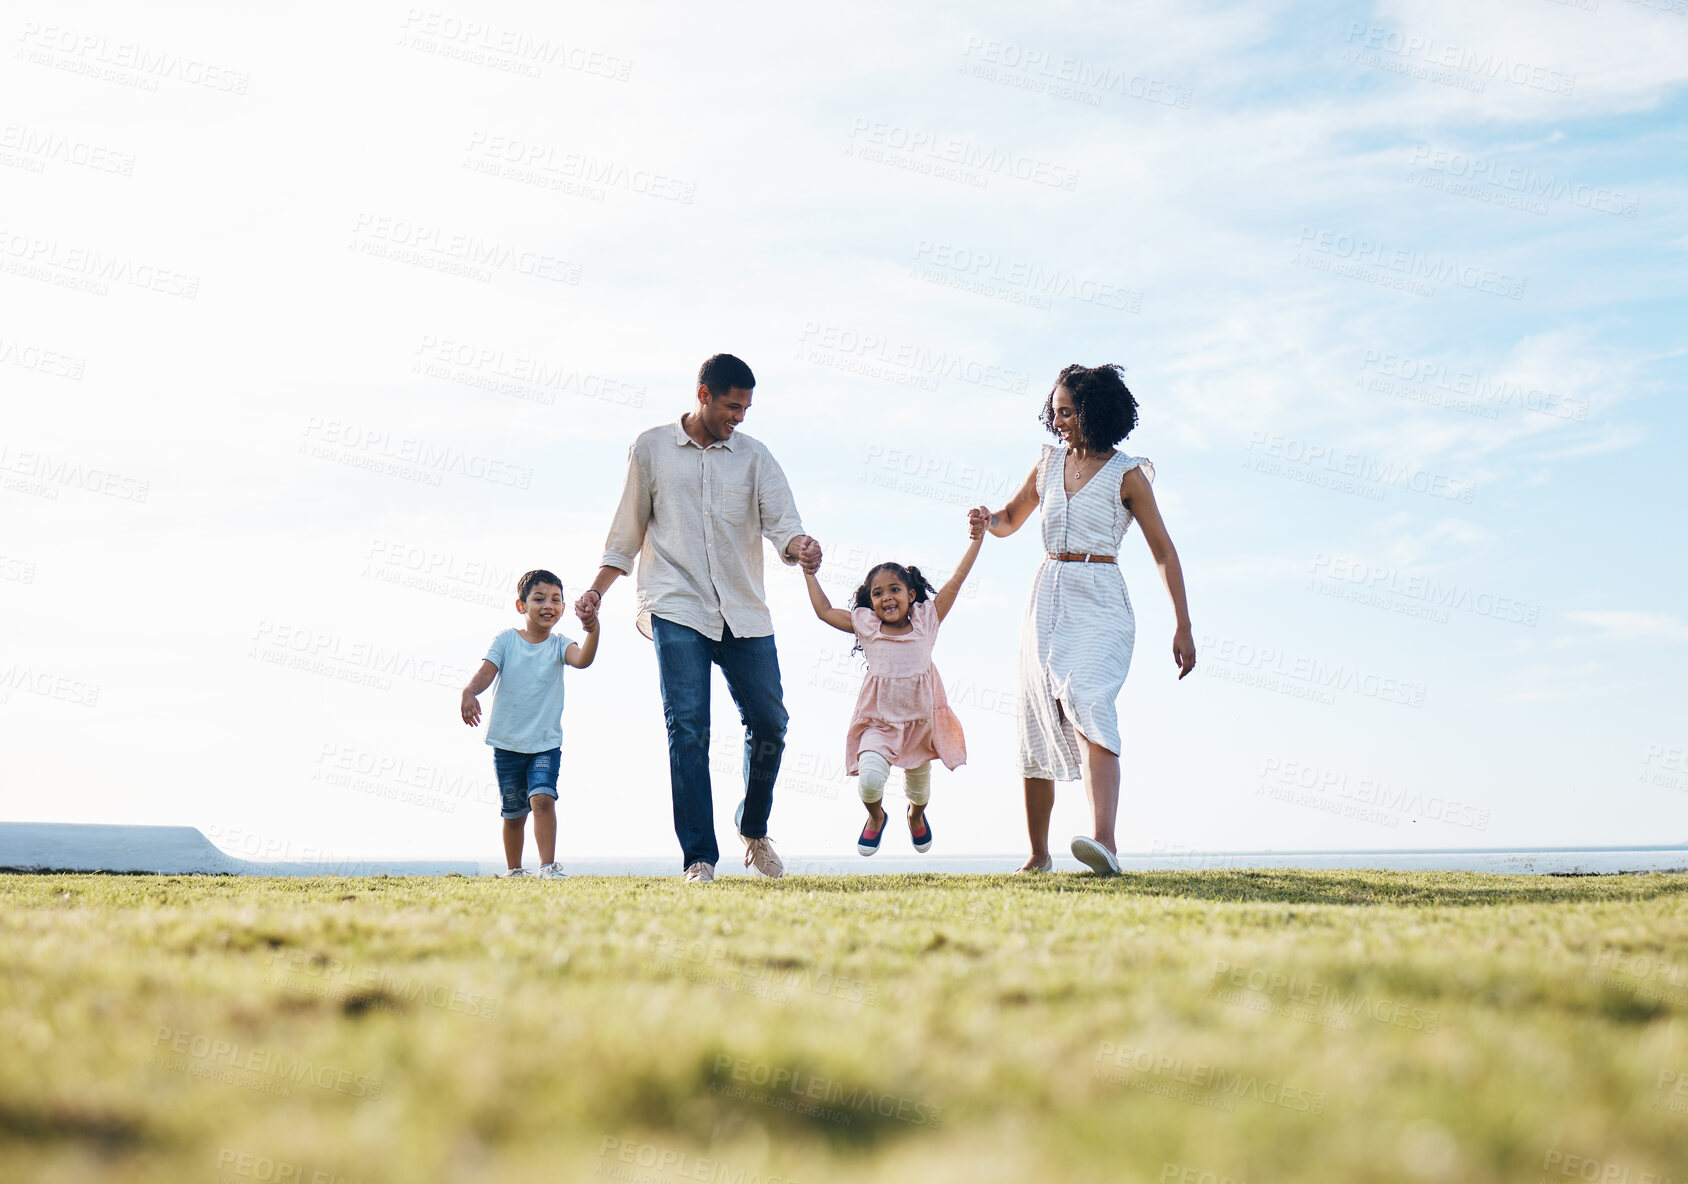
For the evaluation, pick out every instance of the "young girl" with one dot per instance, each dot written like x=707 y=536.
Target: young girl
x=902 y=719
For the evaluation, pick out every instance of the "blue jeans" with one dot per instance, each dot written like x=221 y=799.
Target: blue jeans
x=752 y=668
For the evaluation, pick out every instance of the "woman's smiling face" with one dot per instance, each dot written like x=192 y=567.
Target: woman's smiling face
x=1066 y=418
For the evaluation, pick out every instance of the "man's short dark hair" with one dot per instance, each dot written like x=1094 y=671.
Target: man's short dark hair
x=532 y=579
x=722 y=373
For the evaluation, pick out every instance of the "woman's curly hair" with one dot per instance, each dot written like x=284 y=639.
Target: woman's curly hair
x=917 y=584
x=1107 y=411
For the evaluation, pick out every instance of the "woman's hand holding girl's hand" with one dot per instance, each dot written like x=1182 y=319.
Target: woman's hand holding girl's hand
x=978 y=519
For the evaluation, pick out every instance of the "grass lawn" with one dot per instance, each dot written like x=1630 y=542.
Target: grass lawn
x=1192 y=1026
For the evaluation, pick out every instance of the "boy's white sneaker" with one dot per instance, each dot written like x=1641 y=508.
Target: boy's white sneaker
x=700 y=873
x=551 y=871
x=516 y=873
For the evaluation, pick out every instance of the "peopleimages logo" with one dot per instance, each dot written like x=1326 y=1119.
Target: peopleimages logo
x=1433 y=52
x=736 y=1073
x=1366 y=252
x=1312 y=455
x=148 y=64
x=1030 y=278
x=1296 y=989
x=1524 y=181
x=1376 y=578
x=1203 y=1076
x=959 y=151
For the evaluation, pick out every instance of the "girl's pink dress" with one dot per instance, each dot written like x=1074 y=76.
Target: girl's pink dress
x=902 y=713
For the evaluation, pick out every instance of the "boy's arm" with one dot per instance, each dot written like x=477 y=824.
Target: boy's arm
x=480 y=682
x=977 y=521
x=580 y=656
x=836 y=617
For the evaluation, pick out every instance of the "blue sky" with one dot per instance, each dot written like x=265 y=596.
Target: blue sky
x=1399 y=289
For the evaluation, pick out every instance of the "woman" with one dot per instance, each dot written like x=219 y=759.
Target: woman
x=1078 y=631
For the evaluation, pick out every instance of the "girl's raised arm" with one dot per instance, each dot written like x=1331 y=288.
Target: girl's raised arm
x=977 y=521
x=836 y=617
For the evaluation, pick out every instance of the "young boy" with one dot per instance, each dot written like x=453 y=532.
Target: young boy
x=526 y=732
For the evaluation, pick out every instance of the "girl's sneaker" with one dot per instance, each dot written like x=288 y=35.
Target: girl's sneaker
x=550 y=871
x=516 y=873
x=866 y=845
x=923 y=840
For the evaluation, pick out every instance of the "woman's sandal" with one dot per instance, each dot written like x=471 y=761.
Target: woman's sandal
x=1095 y=856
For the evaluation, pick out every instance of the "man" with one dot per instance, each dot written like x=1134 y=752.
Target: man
x=699 y=498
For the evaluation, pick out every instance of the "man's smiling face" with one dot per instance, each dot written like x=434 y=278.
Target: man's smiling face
x=720 y=415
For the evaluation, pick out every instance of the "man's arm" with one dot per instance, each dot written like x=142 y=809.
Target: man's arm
x=627 y=535
x=780 y=523
x=586 y=604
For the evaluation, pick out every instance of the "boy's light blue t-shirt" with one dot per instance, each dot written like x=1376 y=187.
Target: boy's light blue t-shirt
x=527 y=713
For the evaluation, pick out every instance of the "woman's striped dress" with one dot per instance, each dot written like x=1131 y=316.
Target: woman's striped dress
x=1078 y=630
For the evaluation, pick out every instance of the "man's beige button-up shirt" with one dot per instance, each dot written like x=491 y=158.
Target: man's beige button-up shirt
x=696 y=518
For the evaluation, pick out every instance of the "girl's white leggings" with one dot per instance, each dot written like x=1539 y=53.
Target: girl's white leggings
x=875 y=769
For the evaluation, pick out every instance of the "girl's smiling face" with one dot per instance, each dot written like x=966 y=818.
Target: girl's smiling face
x=890 y=597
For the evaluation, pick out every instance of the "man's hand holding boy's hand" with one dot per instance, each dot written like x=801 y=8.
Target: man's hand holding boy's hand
x=978 y=519
x=471 y=710
x=586 y=608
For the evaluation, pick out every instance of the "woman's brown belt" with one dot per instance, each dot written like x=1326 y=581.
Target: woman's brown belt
x=1073 y=557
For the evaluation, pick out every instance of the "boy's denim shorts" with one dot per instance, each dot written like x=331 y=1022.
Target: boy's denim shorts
x=523 y=774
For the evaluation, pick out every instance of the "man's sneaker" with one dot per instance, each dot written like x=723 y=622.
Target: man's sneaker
x=516 y=873
x=760 y=854
x=550 y=871
x=700 y=873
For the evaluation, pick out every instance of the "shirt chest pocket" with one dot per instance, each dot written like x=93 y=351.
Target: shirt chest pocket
x=738 y=503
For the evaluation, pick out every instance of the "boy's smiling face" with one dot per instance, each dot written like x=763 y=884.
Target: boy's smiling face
x=543 y=607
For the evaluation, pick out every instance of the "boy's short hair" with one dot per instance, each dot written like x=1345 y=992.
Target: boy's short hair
x=722 y=373
x=532 y=579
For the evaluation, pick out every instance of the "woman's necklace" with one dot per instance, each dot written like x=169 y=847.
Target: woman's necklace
x=1082 y=474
